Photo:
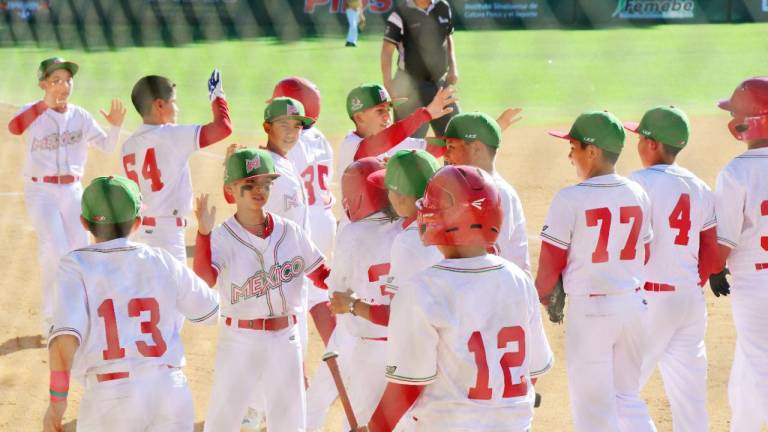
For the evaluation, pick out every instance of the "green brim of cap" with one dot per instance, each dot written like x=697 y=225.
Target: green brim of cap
x=305 y=121
x=70 y=66
x=437 y=141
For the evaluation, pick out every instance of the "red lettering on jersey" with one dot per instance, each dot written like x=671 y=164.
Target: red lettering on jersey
x=508 y=361
x=603 y=216
x=260 y=282
x=480 y=391
x=680 y=219
x=629 y=252
x=375 y=272
x=149 y=169
x=106 y=310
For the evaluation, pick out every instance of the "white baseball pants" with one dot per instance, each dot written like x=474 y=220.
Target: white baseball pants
x=604 y=343
x=363 y=375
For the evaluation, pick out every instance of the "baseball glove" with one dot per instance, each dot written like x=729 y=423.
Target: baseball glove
x=556 y=303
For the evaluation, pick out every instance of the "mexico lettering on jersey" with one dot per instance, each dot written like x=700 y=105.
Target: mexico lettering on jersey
x=156 y=157
x=513 y=240
x=604 y=223
x=361 y=263
x=741 y=204
x=131 y=320
x=286 y=197
x=351 y=143
x=409 y=256
x=260 y=278
x=57 y=143
x=682 y=206
x=470 y=330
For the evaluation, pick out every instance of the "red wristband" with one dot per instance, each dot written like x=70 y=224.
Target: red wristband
x=59 y=386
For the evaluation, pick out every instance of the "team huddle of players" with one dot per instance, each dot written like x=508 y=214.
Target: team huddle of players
x=424 y=286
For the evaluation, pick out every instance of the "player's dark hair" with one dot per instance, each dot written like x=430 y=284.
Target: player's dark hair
x=148 y=89
x=609 y=157
x=390 y=212
x=106 y=232
x=671 y=151
x=491 y=150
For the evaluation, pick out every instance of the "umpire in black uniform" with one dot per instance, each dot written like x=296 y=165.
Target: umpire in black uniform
x=422 y=32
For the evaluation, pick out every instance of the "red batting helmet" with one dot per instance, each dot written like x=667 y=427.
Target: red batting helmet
x=360 y=197
x=749 y=107
x=304 y=91
x=461 y=207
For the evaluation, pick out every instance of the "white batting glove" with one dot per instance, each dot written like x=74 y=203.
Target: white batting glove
x=215 y=89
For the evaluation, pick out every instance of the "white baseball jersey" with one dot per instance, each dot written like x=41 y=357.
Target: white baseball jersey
x=604 y=223
x=409 y=256
x=351 y=143
x=156 y=157
x=513 y=240
x=121 y=300
x=361 y=263
x=263 y=277
x=57 y=143
x=682 y=206
x=742 y=211
x=287 y=196
x=470 y=330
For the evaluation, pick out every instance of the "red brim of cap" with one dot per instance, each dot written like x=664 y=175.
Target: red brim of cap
x=725 y=104
x=632 y=126
x=376 y=178
x=562 y=135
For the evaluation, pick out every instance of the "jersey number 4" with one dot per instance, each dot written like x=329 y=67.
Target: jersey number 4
x=135 y=307
x=509 y=360
x=149 y=169
x=602 y=216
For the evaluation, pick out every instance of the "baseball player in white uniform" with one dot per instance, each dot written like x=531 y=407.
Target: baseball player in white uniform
x=119 y=335
x=683 y=254
x=473 y=139
x=741 y=205
x=259 y=261
x=157 y=156
x=358 y=281
x=57 y=135
x=465 y=335
x=596 y=237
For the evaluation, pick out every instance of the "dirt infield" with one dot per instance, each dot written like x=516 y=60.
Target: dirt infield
x=535 y=164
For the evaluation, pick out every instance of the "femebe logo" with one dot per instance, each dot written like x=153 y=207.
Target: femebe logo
x=655 y=9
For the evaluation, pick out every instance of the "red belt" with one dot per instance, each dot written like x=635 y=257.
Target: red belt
x=267 y=324
x=761 y=266
x=658 y=287
x=151 y=221
x=374 y=339
x=65 y=179
x=111 y=376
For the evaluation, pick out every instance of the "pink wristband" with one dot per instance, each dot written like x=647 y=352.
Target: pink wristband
x=59 y=386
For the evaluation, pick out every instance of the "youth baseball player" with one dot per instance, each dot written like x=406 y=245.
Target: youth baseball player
x=357 y=284
x=684 y=253
x=596 y=238
x=57 y=135
x=156 y=157
x=473 y=139
x=119 y=336
x=259 y=261
x=465 y=335
x=741 y=204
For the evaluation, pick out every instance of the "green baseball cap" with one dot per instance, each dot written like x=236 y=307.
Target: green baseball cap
x=407 y=172
x=110 y=200
x=471 y=126
x=600 y=128
x=368 y=96
x=49 y=65
x=665 y=124
x=285 y=106
x=247 y=163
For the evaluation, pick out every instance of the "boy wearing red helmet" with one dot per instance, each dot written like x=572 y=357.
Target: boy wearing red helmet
x=465 y=335
x=741 y=206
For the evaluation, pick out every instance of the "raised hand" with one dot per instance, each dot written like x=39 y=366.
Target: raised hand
x=206 y=217
x=116 y=113
x=440 y=104
x=509 y=117
x=215 y=88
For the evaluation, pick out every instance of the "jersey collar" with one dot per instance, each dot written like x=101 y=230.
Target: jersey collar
x=604 y=179
x=412 y=4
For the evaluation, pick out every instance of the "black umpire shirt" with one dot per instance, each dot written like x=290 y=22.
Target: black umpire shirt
x=421 y=37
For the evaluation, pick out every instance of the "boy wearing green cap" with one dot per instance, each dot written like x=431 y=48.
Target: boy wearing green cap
x=596 y=238
x=120 y=336
x=474 y=138
x=684 y=253
x=260 y=261
x=57 y=135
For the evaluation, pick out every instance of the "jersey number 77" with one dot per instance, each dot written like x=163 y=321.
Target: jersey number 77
x=602 y=216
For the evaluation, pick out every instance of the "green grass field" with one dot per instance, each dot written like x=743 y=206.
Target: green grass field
x=553 y=74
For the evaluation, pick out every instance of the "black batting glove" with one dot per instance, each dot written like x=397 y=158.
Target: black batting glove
x=719 y=283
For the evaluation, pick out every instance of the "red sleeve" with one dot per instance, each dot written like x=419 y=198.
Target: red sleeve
x=436 y=151
x=379 y=143
x=379 y=314
x=21 y=122
x=324 y=320
x=201 y=263
x=552 y=261
x=709 y=255
x=319 y=275
x=220 y=127
x=395 y=402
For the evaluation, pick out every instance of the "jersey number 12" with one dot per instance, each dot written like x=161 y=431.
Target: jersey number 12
x=508 y=361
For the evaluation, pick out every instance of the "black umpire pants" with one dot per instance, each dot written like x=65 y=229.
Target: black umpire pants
x=419 y=93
